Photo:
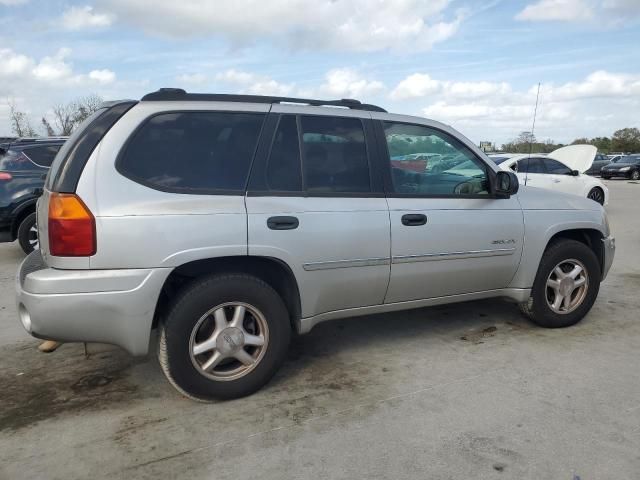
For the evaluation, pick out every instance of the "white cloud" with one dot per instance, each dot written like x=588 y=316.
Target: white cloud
x=421 y=84
x=596 y=105
x=35 y=83
x=415 y=86
x=347 y=83
x=560 y=10
x=345 y=25
x=103 y=76
x=596 y=11
x=192 y=79
x=79 y=18
x=253 y=83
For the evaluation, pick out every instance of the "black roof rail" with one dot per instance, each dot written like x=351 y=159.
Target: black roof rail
x=178 y=94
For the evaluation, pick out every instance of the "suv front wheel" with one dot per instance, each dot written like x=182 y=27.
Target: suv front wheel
x=225 y=336
x=566 y=285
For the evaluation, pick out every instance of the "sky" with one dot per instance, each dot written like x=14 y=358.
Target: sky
x=473 y=64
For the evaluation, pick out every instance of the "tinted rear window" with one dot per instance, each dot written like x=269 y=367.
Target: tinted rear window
x=193 y=152
x=42 y=155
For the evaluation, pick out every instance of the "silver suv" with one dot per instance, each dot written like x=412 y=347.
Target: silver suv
x=230 y=222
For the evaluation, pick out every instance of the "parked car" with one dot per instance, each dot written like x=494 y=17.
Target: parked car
x=628 y=166
x=614 y=158
x=24 y=164
x=229 y=222
x=560 y=170
x=599 y=161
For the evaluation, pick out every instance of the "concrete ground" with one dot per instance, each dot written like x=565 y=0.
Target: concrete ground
x=463 y=391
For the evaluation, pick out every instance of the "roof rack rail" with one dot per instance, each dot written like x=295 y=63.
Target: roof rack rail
x=178 y=94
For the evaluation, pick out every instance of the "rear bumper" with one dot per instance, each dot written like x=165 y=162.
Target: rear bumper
x=106 y=306
x=609 y=251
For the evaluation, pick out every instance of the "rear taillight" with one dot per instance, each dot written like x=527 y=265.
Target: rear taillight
x=72 y=227
x=5 y=176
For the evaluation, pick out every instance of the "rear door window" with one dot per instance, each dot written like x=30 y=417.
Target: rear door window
x=531 y=165
x=284 y=167
x=193 y=152
x=335 y=155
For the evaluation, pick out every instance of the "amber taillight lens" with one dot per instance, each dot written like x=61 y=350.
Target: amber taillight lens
x=72 y=227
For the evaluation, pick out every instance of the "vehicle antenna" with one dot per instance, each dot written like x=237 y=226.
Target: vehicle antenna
x=533 y=128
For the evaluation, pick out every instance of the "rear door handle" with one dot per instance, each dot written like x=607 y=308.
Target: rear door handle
x=414 y=219
x=283 y=223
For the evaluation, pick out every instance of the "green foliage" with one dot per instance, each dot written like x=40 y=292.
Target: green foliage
x=626 y=140
x=526 y=142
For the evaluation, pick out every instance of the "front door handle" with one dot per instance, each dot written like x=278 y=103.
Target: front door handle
x=283 y=223
x=414 y=219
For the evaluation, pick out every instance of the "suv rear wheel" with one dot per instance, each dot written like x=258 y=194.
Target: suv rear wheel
x=566 y=285
x=28 y=234
x=225 y=336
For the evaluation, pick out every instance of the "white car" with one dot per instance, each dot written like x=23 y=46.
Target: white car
x=561 y=170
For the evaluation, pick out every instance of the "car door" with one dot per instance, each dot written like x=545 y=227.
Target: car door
x=314 y=203
x=449 y=234
x=532 y=173
x=562 y=178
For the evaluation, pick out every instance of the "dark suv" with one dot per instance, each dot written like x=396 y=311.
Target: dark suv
x=24 y=164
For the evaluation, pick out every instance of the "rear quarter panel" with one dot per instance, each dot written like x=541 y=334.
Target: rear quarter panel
x=139 y=227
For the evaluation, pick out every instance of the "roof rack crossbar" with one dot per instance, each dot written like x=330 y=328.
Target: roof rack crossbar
x=178 y=94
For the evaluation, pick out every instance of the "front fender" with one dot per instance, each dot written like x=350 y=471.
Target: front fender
x=541 y=226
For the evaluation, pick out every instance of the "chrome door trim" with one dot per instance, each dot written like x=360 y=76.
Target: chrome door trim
x=430 y=257
x=362 y=262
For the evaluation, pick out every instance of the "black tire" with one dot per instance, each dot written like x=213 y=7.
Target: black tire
x=537 y=308
x=25 y=235
x=635 y=175
x=190 y=305
x=597 y=195
x=606 y=177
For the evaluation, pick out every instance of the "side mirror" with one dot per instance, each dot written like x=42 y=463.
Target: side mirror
x=575 y=173
x=506 y=184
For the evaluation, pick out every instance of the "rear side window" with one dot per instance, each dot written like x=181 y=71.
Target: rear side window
x=43 y=155
x=335 y=155
x=193 y=152
x=531 y=165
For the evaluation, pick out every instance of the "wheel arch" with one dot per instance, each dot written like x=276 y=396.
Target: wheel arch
x=274 y=271
x=591 y=237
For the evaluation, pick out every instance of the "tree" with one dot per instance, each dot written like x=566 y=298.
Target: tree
x=20 y=124
x=581 y=141
x=603 y=144
x=67 y=116
x=48 y=128
x=626 y=140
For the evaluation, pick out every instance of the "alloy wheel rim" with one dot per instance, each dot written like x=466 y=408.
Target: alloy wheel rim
x=32 y=238
x=635 y=175
x=228 y=341
x=596 y=195
x=567 y=286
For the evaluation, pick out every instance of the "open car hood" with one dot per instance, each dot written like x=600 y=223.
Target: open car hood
x=576 y=157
